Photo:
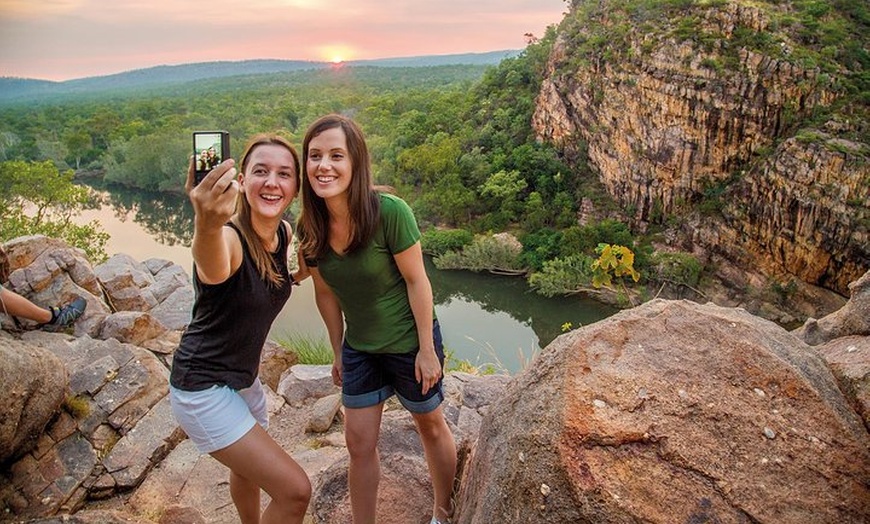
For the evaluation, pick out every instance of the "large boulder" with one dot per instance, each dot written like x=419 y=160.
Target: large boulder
x=49 y=272
x=849 y=359
x=133 y=327
x=129 y=284
x=852 y=319
x=33 y=383
x=155 y=286
x=671 y=412
x=404 y=490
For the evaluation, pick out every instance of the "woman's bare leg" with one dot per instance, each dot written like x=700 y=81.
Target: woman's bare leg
x=257 y=460
x=440 y=450
x=362 y=428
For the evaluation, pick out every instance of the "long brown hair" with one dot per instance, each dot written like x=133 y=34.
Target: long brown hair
x=363 y=201
x=242 y=219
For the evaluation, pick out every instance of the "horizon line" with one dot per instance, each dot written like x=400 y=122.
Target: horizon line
x=183 y=64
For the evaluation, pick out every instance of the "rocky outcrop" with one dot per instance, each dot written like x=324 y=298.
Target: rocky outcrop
x=672 y=126
x=49 y=272
x=115 y=433
x=672 y=408
x=843 y=340
x=852 y=319
x=33 y=384
x=849 y=360
x=115 y=425
x=671 y=412
x=155 y=286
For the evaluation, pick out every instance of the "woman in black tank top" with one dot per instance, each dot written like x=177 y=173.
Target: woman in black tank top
x=241 y=279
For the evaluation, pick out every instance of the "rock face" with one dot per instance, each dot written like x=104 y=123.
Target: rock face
x=670 y=129
x=33 y=383
x=49 y=272
x=127 y=300
x=671 y=412
x=852 y=319
x=849 y=359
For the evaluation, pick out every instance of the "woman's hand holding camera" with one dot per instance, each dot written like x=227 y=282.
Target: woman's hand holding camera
x=214 y=198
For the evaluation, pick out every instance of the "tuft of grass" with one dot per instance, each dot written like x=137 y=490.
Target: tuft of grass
x=310 y=350
x=77 y=406
x=498 y=366
x=451 y=363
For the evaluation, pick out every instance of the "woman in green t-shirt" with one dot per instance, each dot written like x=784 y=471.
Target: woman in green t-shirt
x=362 y=247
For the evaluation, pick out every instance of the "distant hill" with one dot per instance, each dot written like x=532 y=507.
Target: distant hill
x=23 y=89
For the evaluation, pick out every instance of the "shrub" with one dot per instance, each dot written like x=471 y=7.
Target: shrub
x=563 y=276
x=677 y=268
x=485 y=253
x=439 y=241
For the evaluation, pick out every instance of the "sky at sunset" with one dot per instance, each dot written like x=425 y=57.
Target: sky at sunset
x=66 y=39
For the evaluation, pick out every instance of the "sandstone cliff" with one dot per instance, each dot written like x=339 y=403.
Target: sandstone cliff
x=711 y=113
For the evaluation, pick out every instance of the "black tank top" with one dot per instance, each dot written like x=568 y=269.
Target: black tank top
x=223 y=342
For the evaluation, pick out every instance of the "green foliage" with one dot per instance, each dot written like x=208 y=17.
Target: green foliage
x=677 y=268
x=35 y=199
x=540 y=246
x=613 y=261
x=563 y=276
x=485 y=253
x=586 y=239
x=153 y=162
x=451 y=363
x=449 y=202
x=309 y=350
x=439 y=241
x=503 y=191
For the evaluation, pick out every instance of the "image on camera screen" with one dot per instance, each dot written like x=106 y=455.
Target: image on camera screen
x=208 y=151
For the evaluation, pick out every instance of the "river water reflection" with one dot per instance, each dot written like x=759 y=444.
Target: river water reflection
x=485 y=318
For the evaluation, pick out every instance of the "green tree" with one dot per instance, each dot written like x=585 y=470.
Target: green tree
x=155 y=162
x=36 y=199
x=78 y=143
x=448 y=202
x=485 y=253
x=503 y=190
x=535 y=215
x=563 y=276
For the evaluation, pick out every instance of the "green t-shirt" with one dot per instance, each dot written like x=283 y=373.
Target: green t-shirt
x=369 y=287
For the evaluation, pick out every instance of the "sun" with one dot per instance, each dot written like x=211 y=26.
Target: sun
x=336 y=54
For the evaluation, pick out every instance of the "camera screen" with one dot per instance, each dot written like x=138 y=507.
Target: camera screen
x=208 y=151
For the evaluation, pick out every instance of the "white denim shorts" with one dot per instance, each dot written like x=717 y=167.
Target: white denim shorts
x=218 y=416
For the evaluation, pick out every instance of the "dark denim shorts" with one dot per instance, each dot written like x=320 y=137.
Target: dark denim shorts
x=371 y=378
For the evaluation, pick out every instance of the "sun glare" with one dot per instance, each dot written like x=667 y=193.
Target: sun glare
x=336 y=54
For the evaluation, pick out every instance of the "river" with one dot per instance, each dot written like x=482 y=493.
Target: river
x=485 y=319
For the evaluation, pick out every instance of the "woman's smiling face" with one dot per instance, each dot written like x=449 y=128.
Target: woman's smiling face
x=270 y=180
x=328 y=163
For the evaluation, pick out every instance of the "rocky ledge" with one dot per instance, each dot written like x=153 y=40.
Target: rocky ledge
x=671 y=411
